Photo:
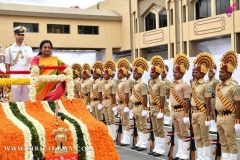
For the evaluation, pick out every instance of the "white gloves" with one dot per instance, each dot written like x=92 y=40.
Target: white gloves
x=131 y=115
x=186 y=120
x=168 y=100
x=207 y=123
x=89 y=108
x=160 y=115
x=114 y=108
x=99 y=106
x=144 y=113
x=126 y=109
x=237 y=127
x=2 y=67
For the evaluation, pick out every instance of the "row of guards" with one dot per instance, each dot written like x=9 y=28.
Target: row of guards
x=142 y=107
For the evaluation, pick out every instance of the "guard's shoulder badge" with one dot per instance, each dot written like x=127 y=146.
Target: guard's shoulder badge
x=238 y=90
x=209 y=89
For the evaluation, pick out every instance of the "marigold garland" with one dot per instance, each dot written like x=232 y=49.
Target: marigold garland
x=96 y=129
x=36 y=110
x=35 y=137
x=11 y=136
x=14 y=81
x=26 y=132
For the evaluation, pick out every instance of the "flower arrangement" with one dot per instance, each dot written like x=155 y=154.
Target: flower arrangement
x=35 y=78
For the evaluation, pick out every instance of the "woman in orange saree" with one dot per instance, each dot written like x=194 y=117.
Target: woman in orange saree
x=48 y=90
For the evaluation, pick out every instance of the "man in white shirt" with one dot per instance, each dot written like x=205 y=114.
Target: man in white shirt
x=18 y=57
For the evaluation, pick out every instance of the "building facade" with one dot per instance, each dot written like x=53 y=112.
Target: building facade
x=130 y=28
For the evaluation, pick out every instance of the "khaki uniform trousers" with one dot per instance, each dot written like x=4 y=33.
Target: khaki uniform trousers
x=107 y=111
x=201 y=132
x=212 y=113
x=84 y=100
x=124 y=116
x=166 y=109
x=157 y=124
x=141 y=122
x=95 y=112
x=180 y=127
x=227 y=134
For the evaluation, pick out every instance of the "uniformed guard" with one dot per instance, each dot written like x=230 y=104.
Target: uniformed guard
x=109 y=97
x=179 y=97
x=167 y=118
x=157 y=93
x=213 y=82
x=228 y=107
x=201 y=105
x=131 y=82
x=18 y=57
x=96 y=91
x=77 y=69
x=85 y=86
x=122 y=98
x=2 y=60
x=139 y=102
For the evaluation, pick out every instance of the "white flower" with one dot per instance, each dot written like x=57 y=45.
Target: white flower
x=25 y=130
x=39 y=127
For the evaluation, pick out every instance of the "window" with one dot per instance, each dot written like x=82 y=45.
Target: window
x=31 y=27
x=88 y=30
x=163 y=18
x=58 y=28
x=150 y=21
x=203 y=9
x=221 y=6
x=184 y=14
x=171 y=16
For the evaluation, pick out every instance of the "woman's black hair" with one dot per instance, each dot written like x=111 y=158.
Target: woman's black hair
x=41 y=45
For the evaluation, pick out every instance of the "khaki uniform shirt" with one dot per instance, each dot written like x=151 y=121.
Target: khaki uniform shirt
x=96 y=88
x=85 y=86
x=130 y=81
x=140 y=88
x=168 y=84
x=182 y=89
x=76 y=87
x=202 y=90
x=213 y=83
x=158 y=88
x=231 y=91
x=109 y=86
x=123 y=88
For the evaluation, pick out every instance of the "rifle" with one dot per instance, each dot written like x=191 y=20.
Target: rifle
x=119 y=132
x=151 y=135
x=217 y=152
x=135 y=134
x=192 y=141
x=171 y=141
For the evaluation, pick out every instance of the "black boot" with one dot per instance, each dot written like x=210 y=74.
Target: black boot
x=135 y=147
x=157 y=155
x=175 y=158
x=141 y=149
x=151 y=153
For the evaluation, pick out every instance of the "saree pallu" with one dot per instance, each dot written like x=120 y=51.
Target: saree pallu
x=49 y=90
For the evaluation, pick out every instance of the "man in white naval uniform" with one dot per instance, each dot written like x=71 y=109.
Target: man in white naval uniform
x=18 y=57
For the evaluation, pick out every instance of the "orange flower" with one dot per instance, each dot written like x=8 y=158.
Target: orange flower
x=10 y=136
x=36 y=110
x=103 y=145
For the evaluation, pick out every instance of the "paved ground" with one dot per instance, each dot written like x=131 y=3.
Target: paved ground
x=126 y=153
